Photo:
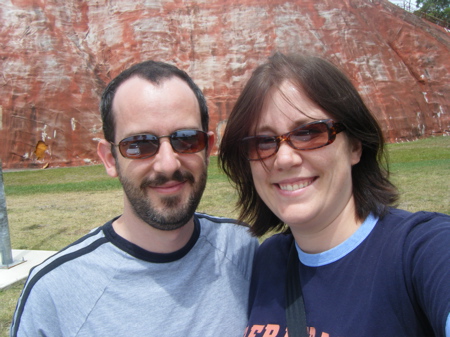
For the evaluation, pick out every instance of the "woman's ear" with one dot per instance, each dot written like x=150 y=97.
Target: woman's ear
x=356 y=151
x=105 y=153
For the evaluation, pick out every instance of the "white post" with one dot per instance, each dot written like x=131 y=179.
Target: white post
x=5 y=240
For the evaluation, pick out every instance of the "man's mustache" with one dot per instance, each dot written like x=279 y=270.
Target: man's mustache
x=162 y=179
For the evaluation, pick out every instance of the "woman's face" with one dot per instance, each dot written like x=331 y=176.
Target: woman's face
x=308 y=190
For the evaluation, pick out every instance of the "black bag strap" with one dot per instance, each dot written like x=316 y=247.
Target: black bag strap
x=295 y=306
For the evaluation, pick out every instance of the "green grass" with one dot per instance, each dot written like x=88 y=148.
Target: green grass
x=421 y=171
x=48 y=209
x=433 y=148
x=61 y=180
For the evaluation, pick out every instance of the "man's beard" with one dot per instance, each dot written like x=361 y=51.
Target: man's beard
x=176 y=211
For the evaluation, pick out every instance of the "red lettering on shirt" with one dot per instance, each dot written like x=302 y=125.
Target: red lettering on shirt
x=268 y=330
x=312 y=332
x=271 y=330
x=255 y=329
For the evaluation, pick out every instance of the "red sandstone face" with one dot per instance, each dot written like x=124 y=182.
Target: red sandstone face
x=56 y=59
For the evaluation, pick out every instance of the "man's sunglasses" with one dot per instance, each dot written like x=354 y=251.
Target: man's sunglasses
x=147 y=145
x=309 y=136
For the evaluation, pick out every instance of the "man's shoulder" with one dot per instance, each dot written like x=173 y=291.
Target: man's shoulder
x=203 y=217
x=231 y=242
x=69 y=255
x=222 y=224
x=76 y=269
x=226 y=231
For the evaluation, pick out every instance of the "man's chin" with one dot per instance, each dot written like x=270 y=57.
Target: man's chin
x=169 y=215
x=171 y=203
x=168 y=223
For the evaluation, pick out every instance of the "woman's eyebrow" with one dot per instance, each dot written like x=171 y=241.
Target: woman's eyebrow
x=293 y=125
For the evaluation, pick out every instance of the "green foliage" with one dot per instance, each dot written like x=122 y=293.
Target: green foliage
x=438 y=9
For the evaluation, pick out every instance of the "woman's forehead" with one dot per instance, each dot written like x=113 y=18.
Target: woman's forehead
x=287 y=103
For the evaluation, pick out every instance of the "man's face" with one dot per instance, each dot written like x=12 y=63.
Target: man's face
x=165 y=189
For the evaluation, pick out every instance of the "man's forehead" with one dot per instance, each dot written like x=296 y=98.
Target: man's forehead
x=171 y=100
x=140 y=85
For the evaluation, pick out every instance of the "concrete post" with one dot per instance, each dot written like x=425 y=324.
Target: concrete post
x=5 y=239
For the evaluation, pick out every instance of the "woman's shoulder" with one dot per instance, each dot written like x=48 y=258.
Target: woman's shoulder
x=412 y=220
x=276 y=246
x=414 y=229
x=279 y=239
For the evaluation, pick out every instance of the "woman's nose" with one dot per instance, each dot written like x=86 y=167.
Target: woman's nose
x=287 y=156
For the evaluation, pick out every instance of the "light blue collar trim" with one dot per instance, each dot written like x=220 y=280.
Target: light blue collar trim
x=338 y=252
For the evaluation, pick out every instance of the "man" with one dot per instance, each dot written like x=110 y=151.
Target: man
x=159 y=269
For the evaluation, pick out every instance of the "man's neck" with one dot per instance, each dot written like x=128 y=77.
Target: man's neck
x=151 y=239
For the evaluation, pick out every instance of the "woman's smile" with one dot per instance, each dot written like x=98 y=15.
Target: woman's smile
x=296 y=185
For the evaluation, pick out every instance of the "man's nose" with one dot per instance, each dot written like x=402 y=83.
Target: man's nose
x=166 y=160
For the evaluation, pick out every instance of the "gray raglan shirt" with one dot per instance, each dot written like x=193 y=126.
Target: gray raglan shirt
x=103 y=285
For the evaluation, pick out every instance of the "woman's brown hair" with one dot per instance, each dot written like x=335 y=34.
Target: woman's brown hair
x=331 y=90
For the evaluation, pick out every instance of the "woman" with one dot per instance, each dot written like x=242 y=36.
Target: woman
x=304 y=151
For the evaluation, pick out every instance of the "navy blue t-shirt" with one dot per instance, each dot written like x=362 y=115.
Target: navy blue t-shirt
x=390 y=278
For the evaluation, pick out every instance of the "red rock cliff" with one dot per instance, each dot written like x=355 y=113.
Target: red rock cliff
x=56 y=57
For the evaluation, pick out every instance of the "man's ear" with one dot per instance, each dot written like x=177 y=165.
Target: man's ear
x=211 y=140
x=105 y=154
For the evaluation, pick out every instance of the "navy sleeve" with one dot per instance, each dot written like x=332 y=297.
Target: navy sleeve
x=427 y=261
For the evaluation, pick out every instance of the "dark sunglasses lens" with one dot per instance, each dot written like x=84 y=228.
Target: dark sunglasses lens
x=188 y=141
x=260 y=147
x=310 y=136
x=137 y=147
